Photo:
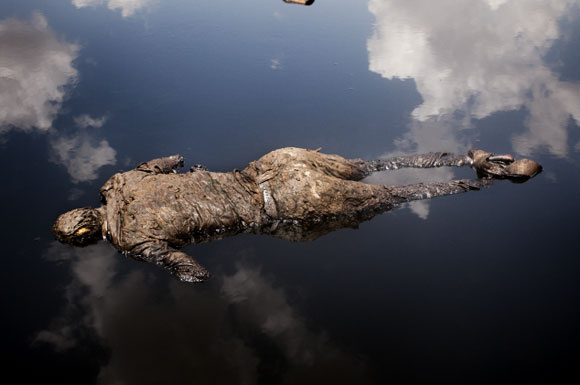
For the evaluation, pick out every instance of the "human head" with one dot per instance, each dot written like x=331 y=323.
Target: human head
x=79 y=227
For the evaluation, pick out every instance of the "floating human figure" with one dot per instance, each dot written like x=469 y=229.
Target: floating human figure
x=149 y=213
x=301 y=2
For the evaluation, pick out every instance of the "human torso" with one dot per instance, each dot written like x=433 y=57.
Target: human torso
x=177 y=208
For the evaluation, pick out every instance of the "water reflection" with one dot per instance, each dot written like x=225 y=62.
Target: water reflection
x=478 y=58
x=86 y=121
x=240 y=330
x=82 y=155
x=36 y=68
x=126 y=7
x=36 y=73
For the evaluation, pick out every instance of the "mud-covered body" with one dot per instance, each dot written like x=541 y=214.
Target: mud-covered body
x=142 y=205
x=152 y=211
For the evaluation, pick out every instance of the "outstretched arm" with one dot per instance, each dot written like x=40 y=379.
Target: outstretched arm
x=412 y=192
x=428 y=160
x=162 y=165
x=181 y=265
x=486 y=164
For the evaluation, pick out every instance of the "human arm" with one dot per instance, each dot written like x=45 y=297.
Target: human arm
x=162 y=165
x=486 y=164
x=428 y=160
x=178 y=263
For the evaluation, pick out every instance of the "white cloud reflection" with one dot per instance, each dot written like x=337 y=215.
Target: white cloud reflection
x=85 y=121
x=268 y=309
x=35 y=71
x=94 y=270
x=82 y=156
x=205 y=334
x=126 y=7
x=275 y=64
x=479 y=57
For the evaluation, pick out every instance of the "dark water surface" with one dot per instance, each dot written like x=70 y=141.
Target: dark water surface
x=476 y=288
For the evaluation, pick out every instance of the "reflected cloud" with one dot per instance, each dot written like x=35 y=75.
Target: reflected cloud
x=278 y=16
x=275 y=64
x=126 y=7
x=410 y=176
x=94 y=270
x=420 y=208
x=85 y=121
x=87 y=3
x=35 y=71
x=267 y=308
x=82 y=156
x=236 y=329
x=479 y=57
x=75 y=193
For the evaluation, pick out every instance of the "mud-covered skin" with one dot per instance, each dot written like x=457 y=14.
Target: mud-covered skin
x=152 y=211
x=489 y=165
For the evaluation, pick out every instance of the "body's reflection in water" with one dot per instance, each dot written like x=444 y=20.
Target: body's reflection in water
x=238 y=328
